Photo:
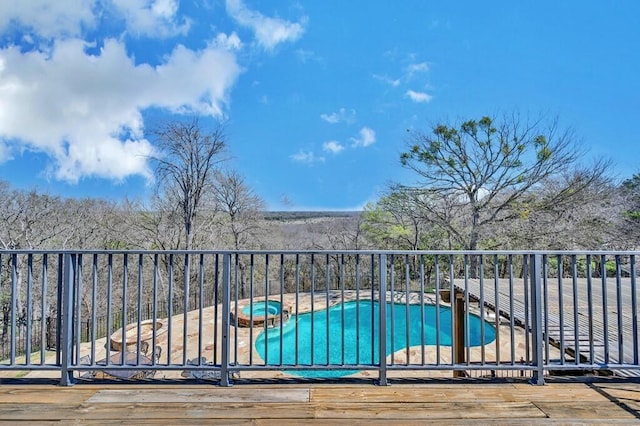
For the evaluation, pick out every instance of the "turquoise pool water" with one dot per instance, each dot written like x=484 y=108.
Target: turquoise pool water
x=366 y=352
x=259 y=309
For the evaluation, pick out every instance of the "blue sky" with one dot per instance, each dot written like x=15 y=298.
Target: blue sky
x=317 y=95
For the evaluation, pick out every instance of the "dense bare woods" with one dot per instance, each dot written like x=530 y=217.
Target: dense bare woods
x=202 y=205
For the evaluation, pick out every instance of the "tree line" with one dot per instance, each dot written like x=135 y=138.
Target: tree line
x=499 y=182
x=496 y=182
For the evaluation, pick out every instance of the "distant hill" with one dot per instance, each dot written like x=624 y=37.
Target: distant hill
x=293 y=215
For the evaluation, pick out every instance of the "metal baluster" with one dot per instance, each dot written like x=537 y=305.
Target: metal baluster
x=496 y=307
x=327 y=283
x=29 y=308
x=125 y=281
x=154 y=336
x=590 y=309
x=342 y=321
x=536 y=307
x=576 y=331
x=66 y=378
x=634 y=309
x=139 y=327
x=605 y=314
x=186 y=281
x=170 y=311
x=407 y=293
x=226 y=302
x=382 y=320
x=619 y=313
x=43 y=308
x=482 y=316
x=511 y=316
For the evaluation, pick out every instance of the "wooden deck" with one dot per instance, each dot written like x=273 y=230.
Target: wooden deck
x=603 y=402
x=566 y=326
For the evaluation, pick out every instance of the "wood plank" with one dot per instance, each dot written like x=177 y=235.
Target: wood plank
x=349 y=422
x=137 y=412
x=208 y=395
x=467 y=393
x=439 y=410
x=579 y=411
x=143 y=412
x=512 y=421
x=168 y=422
x=26 y=395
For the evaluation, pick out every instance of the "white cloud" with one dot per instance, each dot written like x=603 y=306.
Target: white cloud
x=307 y=157
x=154 y=18
x=343 y=115
x=366 y=137
x=5 y=152
x=415 y=68
x=85 y=111
x=333 y=147
x=268 y=31
x=68 y=18
x=419 y=97
x=228 y=42
x=391 y=82
x=305 y=56
x=332 y=118
x=48 y=18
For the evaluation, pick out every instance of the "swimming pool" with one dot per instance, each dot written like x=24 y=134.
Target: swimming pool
x=360 y=336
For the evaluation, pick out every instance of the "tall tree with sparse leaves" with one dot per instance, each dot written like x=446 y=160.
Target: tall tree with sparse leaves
x=486 y=171
x=188 y=159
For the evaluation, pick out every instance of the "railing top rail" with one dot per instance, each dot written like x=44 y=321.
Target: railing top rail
x=361 y=252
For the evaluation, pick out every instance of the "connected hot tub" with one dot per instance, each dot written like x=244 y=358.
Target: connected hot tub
x=260 y=313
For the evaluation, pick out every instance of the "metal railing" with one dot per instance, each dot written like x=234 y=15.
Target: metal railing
x=263 y=314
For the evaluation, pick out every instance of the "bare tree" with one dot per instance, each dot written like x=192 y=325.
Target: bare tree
x=397 y=221
x=242 y=210
x=486 y=170
x=92 y=223
x=188 y=159
x=29 y=220
x=241 y=206
x=589 y=218
x=630 y=194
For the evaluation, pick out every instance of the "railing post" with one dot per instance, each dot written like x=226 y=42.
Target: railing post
x=382 y=324
x=536 y=313
x=226 y=303
x=67 y=319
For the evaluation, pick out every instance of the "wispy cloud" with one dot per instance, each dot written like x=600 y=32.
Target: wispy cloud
x=366 y=137
x=156 y=18
x=342 y=115
x=333 y=147
x=388 y=80
x=268 y=31
x=307 y=157
x=416 y=68
x=5 y=152
x=306 y=56
x=62 y=18
x=419 y=97
x=228 y=42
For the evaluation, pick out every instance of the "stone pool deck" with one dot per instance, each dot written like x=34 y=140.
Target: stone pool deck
x=243 y=351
